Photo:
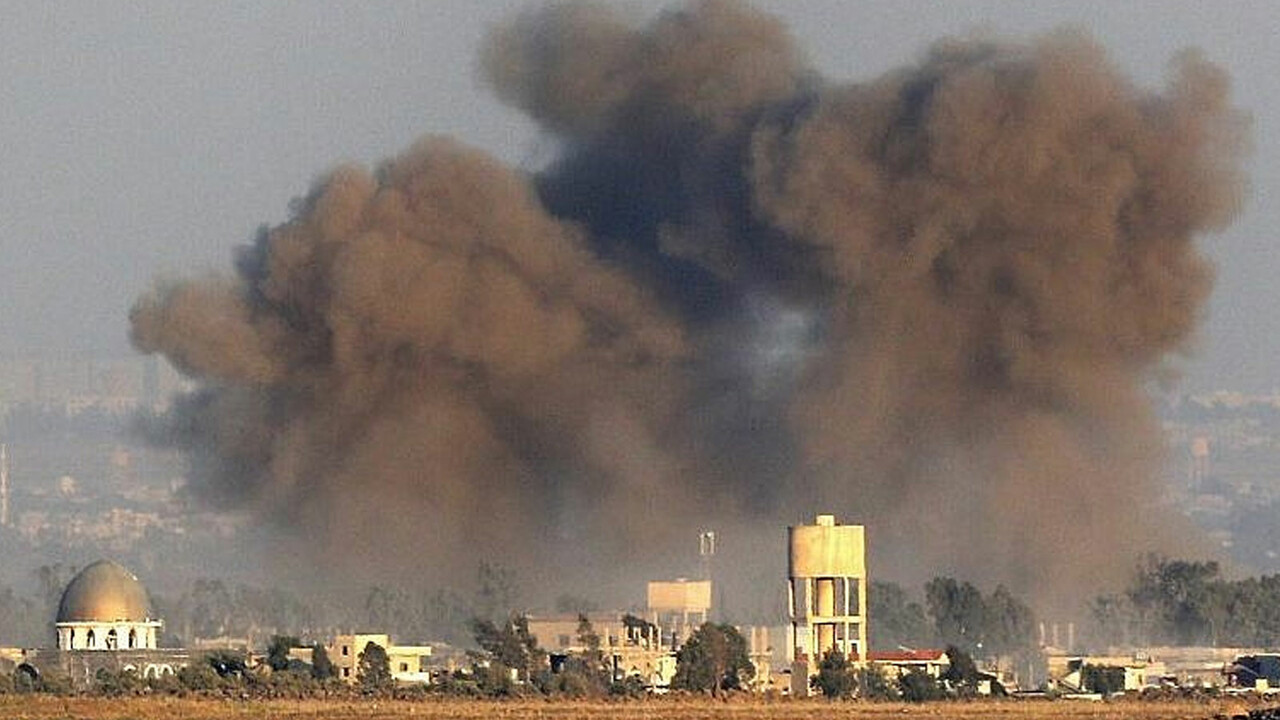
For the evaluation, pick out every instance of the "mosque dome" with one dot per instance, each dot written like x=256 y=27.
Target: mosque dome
x=104 y=592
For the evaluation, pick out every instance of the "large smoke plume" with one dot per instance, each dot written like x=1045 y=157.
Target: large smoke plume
x=740 y=293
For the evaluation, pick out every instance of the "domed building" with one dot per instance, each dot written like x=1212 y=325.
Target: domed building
x=105 y=607
x=104 y=622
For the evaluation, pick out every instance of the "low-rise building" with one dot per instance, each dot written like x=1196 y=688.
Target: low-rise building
x=896 y=663
x=632 y=646
x=409 y=663
x=677 y=607
x=1260 y=671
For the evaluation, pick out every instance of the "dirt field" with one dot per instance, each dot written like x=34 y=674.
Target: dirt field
x=13 y=707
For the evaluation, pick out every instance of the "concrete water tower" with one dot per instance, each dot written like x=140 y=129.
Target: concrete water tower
x=827 y=595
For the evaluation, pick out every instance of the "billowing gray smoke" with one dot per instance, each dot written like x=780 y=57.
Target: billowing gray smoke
x=741 y=294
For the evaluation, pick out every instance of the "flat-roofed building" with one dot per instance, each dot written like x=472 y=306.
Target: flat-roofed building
x=409 y=663
x=677 y=607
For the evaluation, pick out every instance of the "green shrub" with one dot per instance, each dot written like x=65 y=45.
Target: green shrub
x=835 y=678
x=920 y=686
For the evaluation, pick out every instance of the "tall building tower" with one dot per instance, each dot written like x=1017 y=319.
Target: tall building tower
x=826 y=594
x=4 y=485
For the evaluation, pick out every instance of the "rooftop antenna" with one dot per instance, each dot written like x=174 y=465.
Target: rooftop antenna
x=706 y=550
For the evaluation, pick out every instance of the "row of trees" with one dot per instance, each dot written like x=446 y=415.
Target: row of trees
x=1166 y=602
x=1181 y=602
x=955 y=614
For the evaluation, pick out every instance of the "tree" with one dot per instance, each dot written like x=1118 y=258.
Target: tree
x=1113 y=619
x=52 y=581
x=835 y=678
x=1180 y=602
x=591 y=660
x=713 y=659
x=22 y=619
x=581 y=674
x=510 y=645
x=321 y=666
x=1172 y=599
x=212 y=609
x=114 y=683
x=958 y=611
x=199 y=677
x=496 y=592
x=899 y=621
x=873 y=685
x=966 y=619
x=278 y=651
x=919 y=686
x=1009 y=626
x=446 y=614
x=587 y=635
x=373 y=668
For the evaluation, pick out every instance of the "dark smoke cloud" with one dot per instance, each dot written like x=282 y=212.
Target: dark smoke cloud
x=741 y=294
x=421 y=353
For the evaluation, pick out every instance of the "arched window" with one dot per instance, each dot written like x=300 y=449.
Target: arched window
x=111 y=639
x=90 y=641
x=26 y=676
x=133 y=639
x=71 y=640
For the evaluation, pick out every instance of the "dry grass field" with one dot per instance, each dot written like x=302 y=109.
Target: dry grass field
x=13 y=707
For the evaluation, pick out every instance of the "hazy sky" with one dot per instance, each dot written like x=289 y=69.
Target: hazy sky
x=145 y=140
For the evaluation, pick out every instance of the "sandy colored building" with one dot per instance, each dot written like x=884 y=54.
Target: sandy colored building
x=826 y=595
x=633 y=646
x=409 y=663
x=896 y=663
x=677 y=607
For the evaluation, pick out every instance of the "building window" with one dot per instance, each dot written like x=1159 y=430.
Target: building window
x=345 y=651
x=133 y=639
x=90 y=641
x=111 y=639
x=404 y=667
x=346 y=672
x=72 y=641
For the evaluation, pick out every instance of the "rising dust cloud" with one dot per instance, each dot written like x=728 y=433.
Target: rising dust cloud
x=739 y=294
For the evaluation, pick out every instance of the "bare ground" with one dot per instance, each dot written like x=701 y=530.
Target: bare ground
x=40 y=707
